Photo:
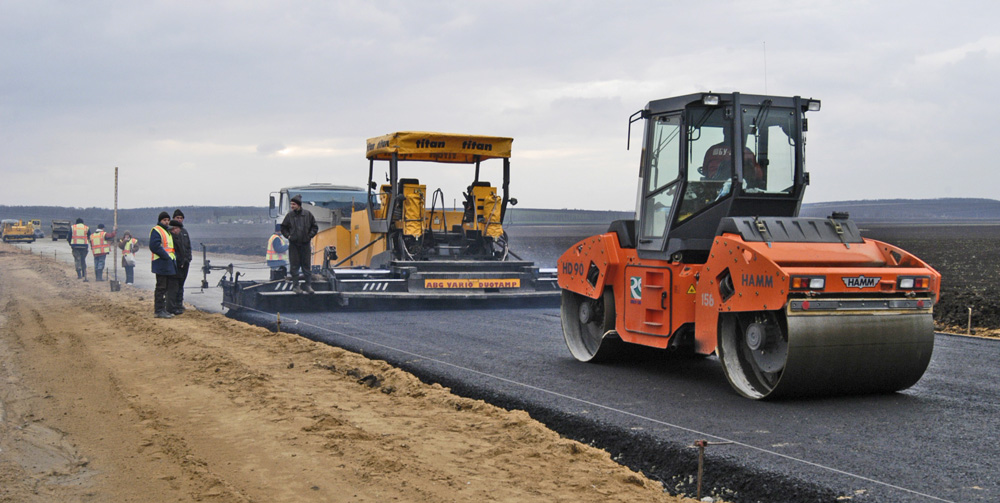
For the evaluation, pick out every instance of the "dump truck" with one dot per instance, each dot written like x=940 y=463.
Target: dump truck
x=394 y=239
x=718 y=261
x=60 y=229
x=13 y=230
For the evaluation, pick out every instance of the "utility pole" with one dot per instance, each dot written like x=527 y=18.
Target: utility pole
x=115 y=285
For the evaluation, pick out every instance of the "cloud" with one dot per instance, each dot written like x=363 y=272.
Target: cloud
x=258 y=95
x=270 y=148
x=988 y=46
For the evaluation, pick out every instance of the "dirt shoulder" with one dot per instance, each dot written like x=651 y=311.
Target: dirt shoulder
x=102 y=402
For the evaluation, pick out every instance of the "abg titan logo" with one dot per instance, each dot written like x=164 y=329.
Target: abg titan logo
x=861 y=282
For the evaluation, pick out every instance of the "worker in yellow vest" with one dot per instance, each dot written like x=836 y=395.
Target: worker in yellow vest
x=161 y=245
x=101 y=247
x=277 y=254
x=129 y=245
x=79 y=242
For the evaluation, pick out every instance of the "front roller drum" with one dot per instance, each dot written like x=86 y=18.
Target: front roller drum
x=770 y=354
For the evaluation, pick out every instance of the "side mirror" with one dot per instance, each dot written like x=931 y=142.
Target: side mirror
x=272 y=202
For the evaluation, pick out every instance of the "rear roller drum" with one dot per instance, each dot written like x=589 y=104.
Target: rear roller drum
x=588 y=326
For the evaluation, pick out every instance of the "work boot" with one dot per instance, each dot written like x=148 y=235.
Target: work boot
x=85 y=280
x=308 y=288
x=296 y=290
x=163 y=314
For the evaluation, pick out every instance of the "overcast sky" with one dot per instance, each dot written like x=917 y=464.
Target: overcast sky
x=222 y=102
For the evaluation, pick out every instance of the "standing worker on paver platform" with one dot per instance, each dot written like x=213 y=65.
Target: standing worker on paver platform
x=101 y=247
x=182 y=243
x=79 y=242
x=161 y=245
x=299 y=226
x=277 y=253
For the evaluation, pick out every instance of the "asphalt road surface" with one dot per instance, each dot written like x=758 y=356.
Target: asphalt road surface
x=937 y=441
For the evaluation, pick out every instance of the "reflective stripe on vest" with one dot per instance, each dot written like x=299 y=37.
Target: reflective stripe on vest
x=167 y=241
x=99 y=244
x=79 y=235
x=130 y=246
x=271 y=254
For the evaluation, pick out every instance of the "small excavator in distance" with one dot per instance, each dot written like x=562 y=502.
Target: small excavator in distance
x=718 y=261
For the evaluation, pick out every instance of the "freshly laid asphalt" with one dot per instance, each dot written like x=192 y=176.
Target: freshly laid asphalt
x=937 y=441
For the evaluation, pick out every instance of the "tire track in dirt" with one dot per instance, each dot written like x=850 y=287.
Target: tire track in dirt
x=37 y=462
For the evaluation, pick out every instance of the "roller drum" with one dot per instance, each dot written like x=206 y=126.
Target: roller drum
x=826 y=354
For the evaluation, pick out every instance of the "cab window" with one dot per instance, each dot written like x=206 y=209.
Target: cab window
x=663 y=176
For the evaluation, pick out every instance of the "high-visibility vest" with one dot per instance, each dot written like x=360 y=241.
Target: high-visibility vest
x=271 y=253
x=168 y=242
x=129 y=248
x=99 y=244
x=79 y=235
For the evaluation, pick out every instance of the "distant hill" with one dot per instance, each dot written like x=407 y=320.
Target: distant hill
x=931 y=211
x=908 y=211
x=136 y=216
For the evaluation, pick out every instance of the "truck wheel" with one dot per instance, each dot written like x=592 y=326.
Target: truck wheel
x=588 y=326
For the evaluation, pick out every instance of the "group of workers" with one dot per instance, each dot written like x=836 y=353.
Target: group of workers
x=170 y=246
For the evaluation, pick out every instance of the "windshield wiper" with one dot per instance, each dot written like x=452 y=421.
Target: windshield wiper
x=765 y=108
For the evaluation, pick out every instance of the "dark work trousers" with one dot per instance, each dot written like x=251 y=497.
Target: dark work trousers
x=165 y=293
x=181 y=277
x=299 y=257
x=80 y=260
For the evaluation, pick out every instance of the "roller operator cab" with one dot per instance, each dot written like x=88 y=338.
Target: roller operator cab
x=718 y=261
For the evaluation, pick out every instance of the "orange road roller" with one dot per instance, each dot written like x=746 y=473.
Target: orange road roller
x=718 y=261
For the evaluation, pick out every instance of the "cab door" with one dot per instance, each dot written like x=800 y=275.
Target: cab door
x=660 y=181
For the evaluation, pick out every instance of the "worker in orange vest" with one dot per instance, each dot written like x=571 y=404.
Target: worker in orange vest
x=79 y=242
x=277 y=253
x=101 y=247
x=164 y=266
